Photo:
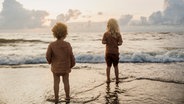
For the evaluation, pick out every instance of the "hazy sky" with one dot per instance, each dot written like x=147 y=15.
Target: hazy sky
x=29 y=14
x=94 y=10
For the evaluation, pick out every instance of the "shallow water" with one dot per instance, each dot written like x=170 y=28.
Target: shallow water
x=140 y=83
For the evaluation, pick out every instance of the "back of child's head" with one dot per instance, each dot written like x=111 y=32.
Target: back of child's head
x=60 y=30
x=113 y=27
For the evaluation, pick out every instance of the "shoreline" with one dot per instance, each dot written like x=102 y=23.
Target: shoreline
x=140 y=83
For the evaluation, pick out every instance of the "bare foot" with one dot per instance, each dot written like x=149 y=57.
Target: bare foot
x=67 y=100
x=56 y=101
x=117 y=81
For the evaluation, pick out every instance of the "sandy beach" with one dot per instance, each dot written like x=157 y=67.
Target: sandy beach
x=145 y=36
x=140 y=83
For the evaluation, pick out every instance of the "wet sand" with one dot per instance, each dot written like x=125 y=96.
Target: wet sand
x=140 y=83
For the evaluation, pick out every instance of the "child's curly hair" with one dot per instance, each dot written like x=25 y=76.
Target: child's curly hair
x=60 y=30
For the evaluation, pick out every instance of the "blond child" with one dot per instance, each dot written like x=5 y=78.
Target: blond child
x=59 y=54
x=112 y=38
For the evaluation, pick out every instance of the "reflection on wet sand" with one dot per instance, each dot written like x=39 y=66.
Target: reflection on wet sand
x=140 y=83
x=111 y=97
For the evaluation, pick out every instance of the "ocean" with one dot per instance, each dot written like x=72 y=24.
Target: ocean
x=151 y=69
x=138 y=47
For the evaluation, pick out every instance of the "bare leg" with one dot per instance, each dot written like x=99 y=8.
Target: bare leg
x=108 y=74
x=116 y=71
x=66 y=85
x=56 y=86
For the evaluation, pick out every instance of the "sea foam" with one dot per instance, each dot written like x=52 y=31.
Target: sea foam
x=136 y=57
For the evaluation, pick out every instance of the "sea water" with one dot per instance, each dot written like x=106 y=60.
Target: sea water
x=138 y=47
x=150 y=69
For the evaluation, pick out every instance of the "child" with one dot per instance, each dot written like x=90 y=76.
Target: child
x=59 y=54
x=112 y=38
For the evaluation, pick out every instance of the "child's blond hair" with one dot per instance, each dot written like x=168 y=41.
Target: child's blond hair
x=113 y=27
x=59 y=30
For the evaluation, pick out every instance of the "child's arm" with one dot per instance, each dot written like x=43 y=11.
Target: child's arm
x=72 y=58
x=104 y=40
x=120 y=41
x=49 y=54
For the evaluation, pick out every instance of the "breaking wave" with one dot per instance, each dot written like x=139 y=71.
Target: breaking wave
x=137 y=57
